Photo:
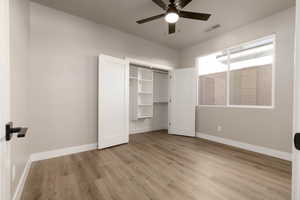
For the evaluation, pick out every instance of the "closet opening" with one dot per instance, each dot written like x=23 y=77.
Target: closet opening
x=148 y=99
x=145 y=98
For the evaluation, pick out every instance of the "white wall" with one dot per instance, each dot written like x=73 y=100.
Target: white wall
x=19 y=60
x=262 y=127
x=63 y=74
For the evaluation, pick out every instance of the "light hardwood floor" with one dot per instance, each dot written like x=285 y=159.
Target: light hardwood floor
x=157 y=166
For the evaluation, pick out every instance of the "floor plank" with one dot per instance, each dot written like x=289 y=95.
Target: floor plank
x=158 y=166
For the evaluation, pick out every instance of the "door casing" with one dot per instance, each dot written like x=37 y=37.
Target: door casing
x=296 y=154
x=5 y=166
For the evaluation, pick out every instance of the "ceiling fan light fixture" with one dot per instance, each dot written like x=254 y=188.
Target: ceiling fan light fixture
x=172 y=17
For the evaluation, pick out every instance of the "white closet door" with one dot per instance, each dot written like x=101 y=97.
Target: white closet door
x=183 y=84
x=113 y=98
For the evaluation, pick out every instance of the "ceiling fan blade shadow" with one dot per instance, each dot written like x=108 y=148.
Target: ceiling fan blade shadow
x=193 y=15
x=172 y=28
x=142 y=21
x=161 y=4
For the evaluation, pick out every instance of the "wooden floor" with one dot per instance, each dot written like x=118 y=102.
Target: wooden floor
x=157 y=166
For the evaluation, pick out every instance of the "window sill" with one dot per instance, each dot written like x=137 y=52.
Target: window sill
x=236 y=106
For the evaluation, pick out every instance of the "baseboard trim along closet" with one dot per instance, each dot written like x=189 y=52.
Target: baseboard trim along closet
x=62 y=152
x=18 y=193
x=132 y=132
x=249 y=147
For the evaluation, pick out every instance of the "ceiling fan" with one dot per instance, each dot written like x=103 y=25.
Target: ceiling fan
x=174 y=12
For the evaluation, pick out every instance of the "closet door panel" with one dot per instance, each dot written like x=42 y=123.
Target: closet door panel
x=113 y=97
x=183 y=84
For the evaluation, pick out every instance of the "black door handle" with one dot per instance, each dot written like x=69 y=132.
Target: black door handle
x=10 y=130
x=297 y=141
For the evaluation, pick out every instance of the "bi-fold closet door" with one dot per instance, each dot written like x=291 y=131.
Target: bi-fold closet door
x=113 y=101
x=113 y=97
x=183 y=100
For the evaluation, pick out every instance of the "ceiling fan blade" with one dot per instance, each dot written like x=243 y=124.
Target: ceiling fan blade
x=161 y=4
x=150 y=19
x=183 y=3
x=193 y=15
x=172 y=28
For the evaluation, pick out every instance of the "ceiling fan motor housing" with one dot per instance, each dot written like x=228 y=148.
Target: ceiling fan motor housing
x=172 y=9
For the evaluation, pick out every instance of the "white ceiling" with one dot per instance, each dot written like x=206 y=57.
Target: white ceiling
x=122 y=14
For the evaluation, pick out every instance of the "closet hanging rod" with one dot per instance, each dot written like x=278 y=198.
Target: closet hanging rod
x=160 y=71
x=151 y=68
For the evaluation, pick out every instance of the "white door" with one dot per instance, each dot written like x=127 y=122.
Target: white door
x=182 y=102
x=113 y=98
x=4 y=100
x=296 y=153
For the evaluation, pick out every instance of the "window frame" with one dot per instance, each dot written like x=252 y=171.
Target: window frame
x=227 y=93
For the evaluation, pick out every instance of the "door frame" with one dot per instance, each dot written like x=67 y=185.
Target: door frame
x=296 y=118
x=5 y=165
x=150 y=65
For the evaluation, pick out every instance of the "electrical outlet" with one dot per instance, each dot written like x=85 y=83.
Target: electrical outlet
x=219 y=128
x=13 y=171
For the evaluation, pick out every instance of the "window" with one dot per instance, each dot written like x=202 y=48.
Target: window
x=212 y=80
x=239 y=76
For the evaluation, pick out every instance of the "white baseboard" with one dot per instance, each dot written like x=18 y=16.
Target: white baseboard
x=136 y=131
x=249 y=147
x=44 y=156
x=20 y=186
x=62 y=152
x=132 y=132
